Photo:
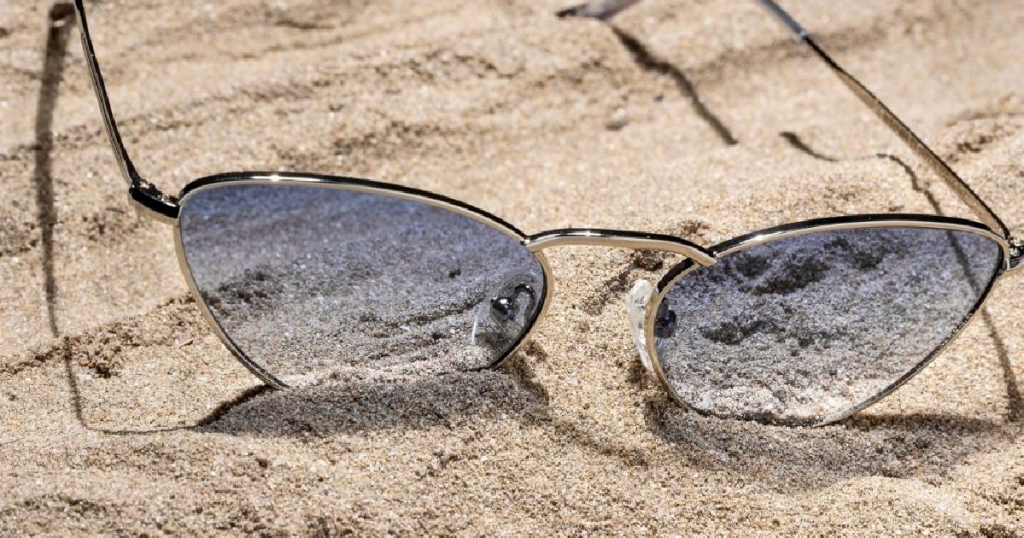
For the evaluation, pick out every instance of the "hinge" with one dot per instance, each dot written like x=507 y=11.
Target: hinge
x=149 y=201
x=1016 y=260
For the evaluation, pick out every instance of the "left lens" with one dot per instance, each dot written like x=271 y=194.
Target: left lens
x=306 y=280
x=807 y=328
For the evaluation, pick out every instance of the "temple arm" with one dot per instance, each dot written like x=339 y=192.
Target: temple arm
x=601 y=9
x=605 y=9
x=148 y=198
x=914 y=142
x=143 y=193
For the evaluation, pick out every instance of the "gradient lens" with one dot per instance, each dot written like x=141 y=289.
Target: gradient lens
x=308 y=281
x=805 y=329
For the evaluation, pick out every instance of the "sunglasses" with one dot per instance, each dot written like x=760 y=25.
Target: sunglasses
x=306 y=277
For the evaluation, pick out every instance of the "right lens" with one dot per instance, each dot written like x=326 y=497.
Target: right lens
x=307 y=280
x=806 y=328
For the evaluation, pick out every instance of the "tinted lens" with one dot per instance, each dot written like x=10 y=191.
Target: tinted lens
x=309 y=280
x=804 y=329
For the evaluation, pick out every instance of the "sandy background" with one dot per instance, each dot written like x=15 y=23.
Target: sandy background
x=120 y=410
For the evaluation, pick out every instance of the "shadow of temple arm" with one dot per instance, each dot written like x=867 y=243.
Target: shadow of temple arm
x=606 y=9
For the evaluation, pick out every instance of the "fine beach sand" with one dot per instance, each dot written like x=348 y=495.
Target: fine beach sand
x=122 y=413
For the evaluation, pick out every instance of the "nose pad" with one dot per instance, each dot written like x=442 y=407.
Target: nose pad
x=503 y=315
x=639 y=297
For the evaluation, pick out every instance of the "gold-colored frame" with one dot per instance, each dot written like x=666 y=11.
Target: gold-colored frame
x=787 y=231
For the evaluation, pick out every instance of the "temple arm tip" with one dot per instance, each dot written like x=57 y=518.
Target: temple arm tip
x=600 y=9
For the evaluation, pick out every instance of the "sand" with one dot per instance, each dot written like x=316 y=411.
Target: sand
x=121 y=413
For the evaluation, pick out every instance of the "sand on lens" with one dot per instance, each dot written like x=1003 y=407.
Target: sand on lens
x=121 y=412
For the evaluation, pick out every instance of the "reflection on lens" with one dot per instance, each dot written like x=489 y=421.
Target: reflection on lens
x=308 y=281
x=804 y=329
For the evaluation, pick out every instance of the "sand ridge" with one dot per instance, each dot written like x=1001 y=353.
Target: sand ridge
x=120 y=411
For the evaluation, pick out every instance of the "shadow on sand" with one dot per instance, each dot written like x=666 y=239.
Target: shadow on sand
x=61 y=22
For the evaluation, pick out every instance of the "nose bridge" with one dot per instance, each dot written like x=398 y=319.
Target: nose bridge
x=618 y=239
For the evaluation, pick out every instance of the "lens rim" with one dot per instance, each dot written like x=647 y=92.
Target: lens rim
x=787 y=231
x=291 y=179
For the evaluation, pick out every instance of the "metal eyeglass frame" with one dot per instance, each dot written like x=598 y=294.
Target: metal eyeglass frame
x=150 y=201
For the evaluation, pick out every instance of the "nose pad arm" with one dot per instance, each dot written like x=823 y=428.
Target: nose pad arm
x=639 y=297
x=505 y=312
x=509 y=308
